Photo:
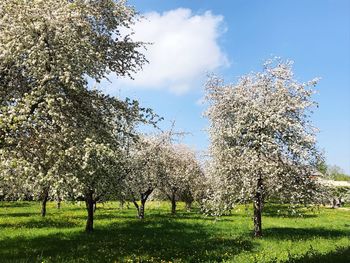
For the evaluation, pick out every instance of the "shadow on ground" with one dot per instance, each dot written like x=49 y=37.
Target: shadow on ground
x=13 y=204
x=160 y=237
x=18 y=214
x=303 y=233
x=135 y=240
x=40 y=223
x=341 y=255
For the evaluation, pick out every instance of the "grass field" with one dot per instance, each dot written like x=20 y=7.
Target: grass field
x=317 y=236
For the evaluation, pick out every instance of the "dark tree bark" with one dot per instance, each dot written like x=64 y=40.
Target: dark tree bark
x=334 y=203
x=258 y=203
x=141 y=208
x=58 y=203
x=340 y=203
x=90 y=209
x=137 y=206
x=45 y=197
x=173 y=203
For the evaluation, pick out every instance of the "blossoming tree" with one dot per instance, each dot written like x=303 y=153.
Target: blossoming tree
x=48 y=52
x=263 y=144
x=145 y=168
x=182 y=171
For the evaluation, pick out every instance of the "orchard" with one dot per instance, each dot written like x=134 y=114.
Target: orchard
x=88 y=176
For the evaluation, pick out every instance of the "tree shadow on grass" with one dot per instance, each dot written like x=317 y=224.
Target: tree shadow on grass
x=40 y=223
x=19 y=214
x=135 y=240
x=105 y=216
x=11 y=204
x=340 y=255
x=304 y=233
x=151 y=214
x=192 y=216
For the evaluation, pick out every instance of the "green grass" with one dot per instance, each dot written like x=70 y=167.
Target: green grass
x=319 y=236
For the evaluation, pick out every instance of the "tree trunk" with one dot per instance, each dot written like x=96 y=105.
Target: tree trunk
x=90 y=209
x=144 y=198
x=258 y=202
x=334 y=203
x=142 y=209
x=45 y=197
x=188 y=206
x=173 y=204
x=58 y=203
x=137 y=207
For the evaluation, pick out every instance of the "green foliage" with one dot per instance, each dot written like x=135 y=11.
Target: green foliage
x=340 y=177
x=333 y=172
x=322 y=167
x=318 y=236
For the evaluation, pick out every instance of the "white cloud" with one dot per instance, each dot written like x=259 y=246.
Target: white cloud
x=185 y=47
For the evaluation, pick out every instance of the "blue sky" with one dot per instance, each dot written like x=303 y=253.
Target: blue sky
x=233 y=38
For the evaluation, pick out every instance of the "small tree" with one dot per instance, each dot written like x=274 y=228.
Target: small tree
x=146 y=165
x=181 y=171
x=96 y=166
x=262 y=142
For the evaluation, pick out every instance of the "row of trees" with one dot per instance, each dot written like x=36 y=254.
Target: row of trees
x=61 y=138
x=157 y=163
x=333 y=172
x=58 y=135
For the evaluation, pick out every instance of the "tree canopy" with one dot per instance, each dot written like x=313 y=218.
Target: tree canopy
x=263 y=144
